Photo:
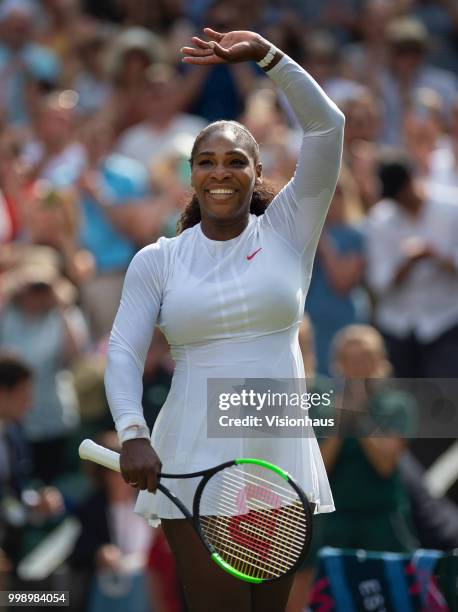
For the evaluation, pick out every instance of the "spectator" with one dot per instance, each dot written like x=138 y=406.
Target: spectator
x=440 y=19
x=373 y=510
x=57 y=29
x=372 y=504
x=408 y=70
x=413 y=272
x=362 y=118
x=151 y=139
x=280 y=143
x=41 y=324
x=323 y=61
x=335 y=296
x=11 y=183
x=133 y=52
x=51 y=219
x=362 y=129
x=364 y=60
x=18 y=503
x=339 y=17
x=55 y=154
x=91 y=81
x=422 y=130
x=21 y=61
x=443 y=169
x=115 y=220
x=170 y=177
x=218 y=92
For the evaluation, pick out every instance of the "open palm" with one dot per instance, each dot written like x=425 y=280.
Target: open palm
x=232 y=47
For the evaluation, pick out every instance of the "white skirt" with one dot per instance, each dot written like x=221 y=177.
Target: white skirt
x=183 y=444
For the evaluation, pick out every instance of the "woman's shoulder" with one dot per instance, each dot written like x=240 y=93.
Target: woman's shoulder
x=163 y=249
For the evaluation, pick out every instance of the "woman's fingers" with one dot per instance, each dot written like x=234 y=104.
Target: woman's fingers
x=203 y=44
x=151 y=483
x=213 y=34
x=203 y=60
x=142 y=480
x=220 y=51
x=191 y=51
x=139 y=461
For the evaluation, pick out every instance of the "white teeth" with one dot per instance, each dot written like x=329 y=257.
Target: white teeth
x=221 y=191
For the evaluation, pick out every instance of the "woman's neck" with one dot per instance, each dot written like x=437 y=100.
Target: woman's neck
x=223 y=231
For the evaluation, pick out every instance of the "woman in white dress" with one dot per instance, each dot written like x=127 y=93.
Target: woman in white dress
x=228 y=293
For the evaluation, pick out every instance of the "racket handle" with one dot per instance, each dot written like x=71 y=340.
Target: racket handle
x=91 y=451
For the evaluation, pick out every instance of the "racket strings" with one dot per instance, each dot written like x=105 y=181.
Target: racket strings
x=257 y=504
x=227 y=501
x=256 y=524
x=289 y=535
x=259 y=561
x=237 y=481
x=256 y=543
x=272 y=484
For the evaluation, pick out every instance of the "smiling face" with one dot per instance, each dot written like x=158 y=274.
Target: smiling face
x=224 y=173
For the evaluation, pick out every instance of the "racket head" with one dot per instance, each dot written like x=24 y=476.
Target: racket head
x=254 y=519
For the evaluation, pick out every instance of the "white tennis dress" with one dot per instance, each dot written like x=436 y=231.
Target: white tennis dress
x=229 y=309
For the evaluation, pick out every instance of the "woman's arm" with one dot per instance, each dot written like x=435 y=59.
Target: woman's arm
x=129 y=342
x=299 y=210
x=130 y=339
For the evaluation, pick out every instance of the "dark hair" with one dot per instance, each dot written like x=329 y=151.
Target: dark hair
x=13 y=371
x=263 y=194
x=394 y=174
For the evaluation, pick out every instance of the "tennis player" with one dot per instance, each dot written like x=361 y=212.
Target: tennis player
x=228 y=293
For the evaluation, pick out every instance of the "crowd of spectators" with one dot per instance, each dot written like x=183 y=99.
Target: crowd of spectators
x=97 y=120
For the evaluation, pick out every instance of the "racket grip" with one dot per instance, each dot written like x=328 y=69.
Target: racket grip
x=91 y=451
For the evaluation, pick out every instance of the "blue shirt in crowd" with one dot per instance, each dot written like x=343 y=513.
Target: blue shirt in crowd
x=329 y=310
x=123 y=180
x=35 y=62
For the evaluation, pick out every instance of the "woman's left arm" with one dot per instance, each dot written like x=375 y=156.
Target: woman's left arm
x=299 y=210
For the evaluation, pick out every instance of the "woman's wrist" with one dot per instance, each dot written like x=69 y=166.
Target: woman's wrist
x=134 y=432
x=267 y=58
x=267 y=55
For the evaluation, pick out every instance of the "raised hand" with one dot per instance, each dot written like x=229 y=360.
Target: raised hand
x=229 y=48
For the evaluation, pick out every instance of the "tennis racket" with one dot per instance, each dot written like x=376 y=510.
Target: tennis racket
x=254 y=520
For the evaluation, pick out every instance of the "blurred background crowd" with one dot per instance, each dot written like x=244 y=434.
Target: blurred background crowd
x=97 y=119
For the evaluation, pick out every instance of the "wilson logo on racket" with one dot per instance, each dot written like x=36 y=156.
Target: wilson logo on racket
x=246 y=527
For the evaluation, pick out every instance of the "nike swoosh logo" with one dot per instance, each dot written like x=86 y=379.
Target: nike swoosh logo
x=250 y=257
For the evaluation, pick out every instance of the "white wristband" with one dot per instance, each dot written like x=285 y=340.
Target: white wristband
x=268 y=57
x=132 y=432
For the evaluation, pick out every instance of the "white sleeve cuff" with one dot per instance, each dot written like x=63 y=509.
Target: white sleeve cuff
x=132 y=432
